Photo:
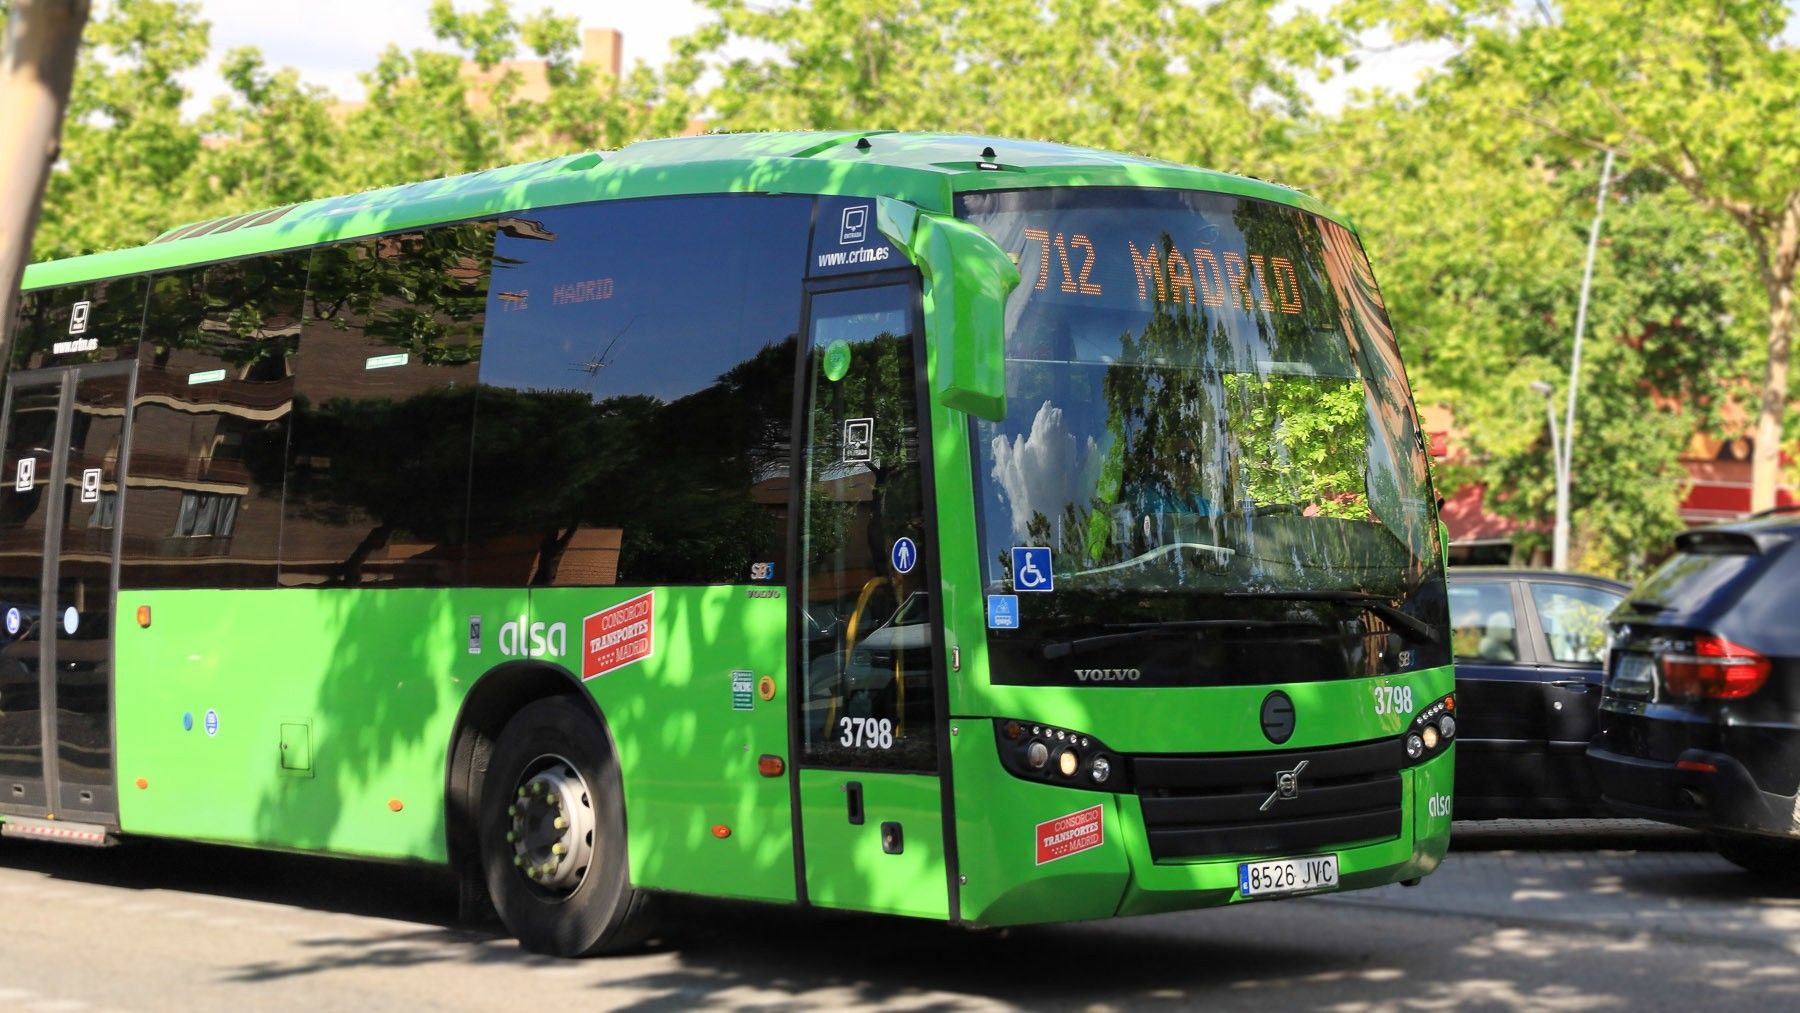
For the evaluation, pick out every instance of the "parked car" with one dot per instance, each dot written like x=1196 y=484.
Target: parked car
x=1700 y=723
x=1529 y=647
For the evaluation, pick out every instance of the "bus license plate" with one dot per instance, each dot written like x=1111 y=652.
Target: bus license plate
x=1287 y=875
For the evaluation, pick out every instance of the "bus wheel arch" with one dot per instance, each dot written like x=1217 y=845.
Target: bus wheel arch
x=553 y=704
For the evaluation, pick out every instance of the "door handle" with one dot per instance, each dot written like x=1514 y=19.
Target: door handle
x=1578 y=685
x=853 y=802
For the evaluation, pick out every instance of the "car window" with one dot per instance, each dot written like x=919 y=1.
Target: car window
x=1484 y=627
x=1574 y=620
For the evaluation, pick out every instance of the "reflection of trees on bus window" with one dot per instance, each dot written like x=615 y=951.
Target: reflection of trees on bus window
x=635 y=413
x=868 y=699
x=378 y=467
x=210 y=424
x=113 y=323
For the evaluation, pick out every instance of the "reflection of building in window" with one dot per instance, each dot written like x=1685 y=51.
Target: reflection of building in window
x=206 y=515
x=106 y=511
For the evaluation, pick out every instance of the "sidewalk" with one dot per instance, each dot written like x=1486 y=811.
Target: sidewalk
x=1625 y=878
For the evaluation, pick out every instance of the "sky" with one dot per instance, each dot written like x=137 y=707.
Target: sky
x=337 y=39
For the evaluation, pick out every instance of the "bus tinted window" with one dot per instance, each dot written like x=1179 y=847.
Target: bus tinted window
x=637 y=373
x=378 y=466
x=95 y=322
x=209 y=425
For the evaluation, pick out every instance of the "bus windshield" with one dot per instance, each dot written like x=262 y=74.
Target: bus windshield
x=1209 y=428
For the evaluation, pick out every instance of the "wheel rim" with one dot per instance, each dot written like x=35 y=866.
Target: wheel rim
x=551 y=826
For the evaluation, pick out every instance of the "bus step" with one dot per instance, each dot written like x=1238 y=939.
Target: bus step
x=62 y=831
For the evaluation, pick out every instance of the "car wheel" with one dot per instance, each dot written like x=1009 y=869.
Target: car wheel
x=552 y=831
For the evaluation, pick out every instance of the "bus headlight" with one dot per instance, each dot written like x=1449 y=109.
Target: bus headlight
x=1447 y=725
x=1068 y=761
x=1415 y=746
x=1064 y=757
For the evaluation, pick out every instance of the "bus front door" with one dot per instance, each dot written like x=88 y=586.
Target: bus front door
x=868 y=687
x=62 y=453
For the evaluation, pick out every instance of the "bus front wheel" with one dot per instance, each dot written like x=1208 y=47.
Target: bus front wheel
x=552 y=832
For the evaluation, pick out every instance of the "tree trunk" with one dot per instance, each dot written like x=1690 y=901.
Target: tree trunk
x=1765 y=467
x=37 y=67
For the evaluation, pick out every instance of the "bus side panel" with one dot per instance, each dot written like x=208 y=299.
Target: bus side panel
x=297 y=718
x=1031 y=852
x=682 y=700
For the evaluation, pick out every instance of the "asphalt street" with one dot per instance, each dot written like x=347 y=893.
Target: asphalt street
x=1589 y=915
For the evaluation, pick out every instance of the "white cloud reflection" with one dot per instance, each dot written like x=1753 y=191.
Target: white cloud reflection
x=1044 y=469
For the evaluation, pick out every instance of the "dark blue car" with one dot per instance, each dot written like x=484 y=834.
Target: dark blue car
x=1530 y=647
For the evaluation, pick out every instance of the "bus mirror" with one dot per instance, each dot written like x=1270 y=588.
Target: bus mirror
x=967 y=279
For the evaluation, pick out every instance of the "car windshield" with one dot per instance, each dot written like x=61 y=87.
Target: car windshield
x=1206 y=416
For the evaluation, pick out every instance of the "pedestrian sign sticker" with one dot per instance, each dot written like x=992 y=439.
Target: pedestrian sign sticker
x=1003 y=611
x=742 y=686
x=1031 y=569
x=904 y=556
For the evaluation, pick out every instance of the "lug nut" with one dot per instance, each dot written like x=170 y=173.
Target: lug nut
x=560 y=823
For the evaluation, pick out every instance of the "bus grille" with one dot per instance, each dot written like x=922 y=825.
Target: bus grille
x=1197 y=806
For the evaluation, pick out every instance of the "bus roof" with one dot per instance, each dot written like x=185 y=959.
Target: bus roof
x=925 y=169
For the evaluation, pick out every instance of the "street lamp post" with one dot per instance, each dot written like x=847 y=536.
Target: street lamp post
x=1560 y=552
x=1559 y=465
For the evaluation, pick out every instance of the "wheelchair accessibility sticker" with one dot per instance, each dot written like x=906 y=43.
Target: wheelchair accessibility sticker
x=1031 y=569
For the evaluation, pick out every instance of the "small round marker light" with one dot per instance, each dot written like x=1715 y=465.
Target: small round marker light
x=1430 y=734
x=1037 y=754
x=1068 y=761
x=1415 y=747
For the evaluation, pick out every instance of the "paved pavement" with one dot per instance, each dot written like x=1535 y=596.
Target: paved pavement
x=1567 y=916
x=1617 y=877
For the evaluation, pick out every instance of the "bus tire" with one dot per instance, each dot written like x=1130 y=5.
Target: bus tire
x=552 y=836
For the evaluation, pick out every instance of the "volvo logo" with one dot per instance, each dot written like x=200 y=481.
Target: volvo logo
x=1287 y=785
x=1108 y=674
x=1278 y=717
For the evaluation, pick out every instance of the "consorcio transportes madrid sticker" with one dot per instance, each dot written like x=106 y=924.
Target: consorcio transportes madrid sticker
x=1071 y=834
x=615 y=637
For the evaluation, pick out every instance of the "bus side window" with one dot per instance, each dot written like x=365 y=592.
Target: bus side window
x=215 y=390
x=634 y=424
x=377 y=471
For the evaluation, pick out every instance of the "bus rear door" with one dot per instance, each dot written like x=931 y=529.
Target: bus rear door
x=63 y=455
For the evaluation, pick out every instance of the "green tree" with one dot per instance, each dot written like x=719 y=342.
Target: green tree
x=1707 y=95
x=1477 y=224
x=1218 y=84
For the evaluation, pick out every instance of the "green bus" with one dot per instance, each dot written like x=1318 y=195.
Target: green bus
x=942 y=526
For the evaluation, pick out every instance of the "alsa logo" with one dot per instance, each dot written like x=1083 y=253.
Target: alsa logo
x=1108 y=674
x=523 y=639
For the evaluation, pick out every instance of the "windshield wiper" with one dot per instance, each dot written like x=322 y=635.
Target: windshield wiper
x=1130 y=632
x=1418 y=629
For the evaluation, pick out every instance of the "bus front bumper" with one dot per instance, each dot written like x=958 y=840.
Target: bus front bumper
x=1069 y=869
